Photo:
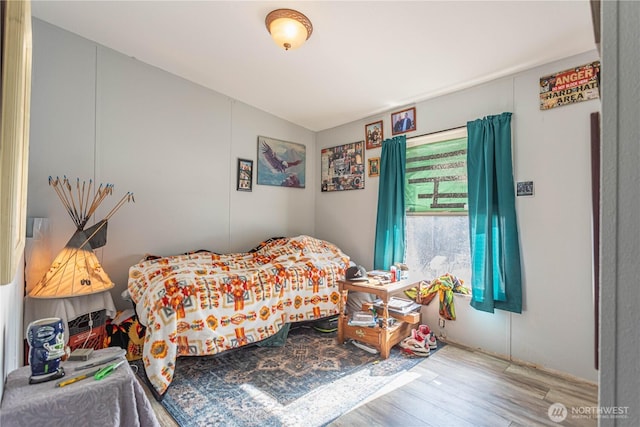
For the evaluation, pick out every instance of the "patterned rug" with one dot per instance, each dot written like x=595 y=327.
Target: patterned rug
x=310 y=381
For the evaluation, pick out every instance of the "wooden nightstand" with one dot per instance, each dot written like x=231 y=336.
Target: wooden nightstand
x=382 y=338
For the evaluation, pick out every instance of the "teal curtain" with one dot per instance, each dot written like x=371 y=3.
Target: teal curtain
x=390 y=225
x=495 y=251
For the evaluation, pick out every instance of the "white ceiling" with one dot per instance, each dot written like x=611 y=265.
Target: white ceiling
x=363 y=58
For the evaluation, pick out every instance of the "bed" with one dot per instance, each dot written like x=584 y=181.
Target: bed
x=204 y=303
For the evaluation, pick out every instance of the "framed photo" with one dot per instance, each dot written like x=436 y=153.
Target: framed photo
x=403 y=121
x=342 y=167
x=281 y=163
x=524 y=188
x=245 y=174
x=374 y=166
x=373 y=135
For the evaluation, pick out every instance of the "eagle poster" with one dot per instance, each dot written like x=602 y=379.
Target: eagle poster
x=281 y=163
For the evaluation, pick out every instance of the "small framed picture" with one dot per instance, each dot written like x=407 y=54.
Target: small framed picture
x=524 y=188
x=373 y=135
x=374 y=166
x=403 y=121
x=245 y=174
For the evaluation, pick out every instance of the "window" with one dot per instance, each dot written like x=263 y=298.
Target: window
x=436 y=203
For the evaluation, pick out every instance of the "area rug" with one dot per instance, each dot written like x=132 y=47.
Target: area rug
x=309 y=381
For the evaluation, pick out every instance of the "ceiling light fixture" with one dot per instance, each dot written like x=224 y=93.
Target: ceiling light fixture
x=289 y=28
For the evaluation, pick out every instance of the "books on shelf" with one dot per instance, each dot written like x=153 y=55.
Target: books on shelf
x=390 y=321
x=398 y=305
x=362 y=318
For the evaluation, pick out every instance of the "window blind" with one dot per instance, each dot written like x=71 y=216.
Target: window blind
x=436 y=175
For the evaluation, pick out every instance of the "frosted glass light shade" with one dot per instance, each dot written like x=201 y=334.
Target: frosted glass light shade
x=288 y=28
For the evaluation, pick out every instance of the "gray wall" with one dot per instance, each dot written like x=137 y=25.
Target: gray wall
x=551 y=148
x=620 y=211
x=97 y=114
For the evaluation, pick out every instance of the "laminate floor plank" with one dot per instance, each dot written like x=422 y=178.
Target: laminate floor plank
x=474 y=396
x=423 y=407
x=450 y=400
x=577 y=388
x=488 y=391
x=491 y=381
x=569 y=399
x=472 y=358
x=386 y=413
x=425 y=374
x=358 y=418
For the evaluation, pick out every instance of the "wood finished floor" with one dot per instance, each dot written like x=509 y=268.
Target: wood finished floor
x=459 y=387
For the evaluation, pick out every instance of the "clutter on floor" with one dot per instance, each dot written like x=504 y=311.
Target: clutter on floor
x=420 y=343
x=125 y=331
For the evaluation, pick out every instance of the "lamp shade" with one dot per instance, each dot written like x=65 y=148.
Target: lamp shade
x=76 y=271
x=288 y=28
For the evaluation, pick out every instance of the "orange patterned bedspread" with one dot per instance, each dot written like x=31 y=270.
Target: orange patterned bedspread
x=205 y=303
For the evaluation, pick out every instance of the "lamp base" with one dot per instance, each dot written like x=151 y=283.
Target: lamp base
x=37 y=379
